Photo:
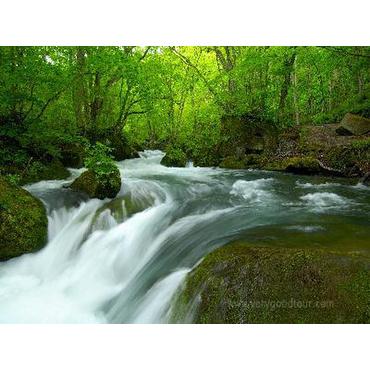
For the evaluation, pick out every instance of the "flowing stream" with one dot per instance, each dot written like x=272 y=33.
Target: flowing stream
x=122 y=261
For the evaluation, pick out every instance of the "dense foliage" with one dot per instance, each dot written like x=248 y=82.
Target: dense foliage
x=99 y=160
x=53 y=98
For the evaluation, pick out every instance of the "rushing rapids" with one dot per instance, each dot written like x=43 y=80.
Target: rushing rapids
x=102 y=265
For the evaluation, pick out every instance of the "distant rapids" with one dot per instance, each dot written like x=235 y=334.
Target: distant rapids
x=104 y=263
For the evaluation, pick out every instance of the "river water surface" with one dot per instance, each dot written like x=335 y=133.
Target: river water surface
x=104 y=264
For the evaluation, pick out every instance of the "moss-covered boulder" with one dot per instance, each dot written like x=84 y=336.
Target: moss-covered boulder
x=175 y=157
x=23 y=221
x=241 y=283
x=123 y=207
x=95 y=186
x=353 y=124
x=303 y=165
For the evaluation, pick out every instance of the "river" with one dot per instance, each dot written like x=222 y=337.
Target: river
x=103 y=264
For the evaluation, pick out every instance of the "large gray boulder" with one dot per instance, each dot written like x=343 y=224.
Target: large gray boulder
x=353 y=124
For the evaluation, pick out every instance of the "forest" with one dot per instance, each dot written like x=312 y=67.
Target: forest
x=56 y=99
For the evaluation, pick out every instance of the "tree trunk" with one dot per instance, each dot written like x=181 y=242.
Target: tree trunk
x=79 y=90
x=295 y=93
x=288 y=67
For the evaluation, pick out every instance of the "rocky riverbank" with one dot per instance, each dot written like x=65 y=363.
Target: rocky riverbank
x=333 y=149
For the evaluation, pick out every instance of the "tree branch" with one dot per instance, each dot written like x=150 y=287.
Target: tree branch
x=145 y=53
x=189 y=63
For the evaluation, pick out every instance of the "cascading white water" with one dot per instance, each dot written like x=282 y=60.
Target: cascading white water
x=105 y=262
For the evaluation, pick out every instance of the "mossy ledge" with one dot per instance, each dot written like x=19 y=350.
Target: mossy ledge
x=23 y=221
x=241 y=283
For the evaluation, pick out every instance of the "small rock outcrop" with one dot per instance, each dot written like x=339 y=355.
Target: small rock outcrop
x=353 y=124
x=23 y=221
x=303 y=165
x=366 y=179
x=96 y=186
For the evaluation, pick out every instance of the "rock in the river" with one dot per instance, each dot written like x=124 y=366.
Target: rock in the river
x=303 y=165
x=98 y=187
x=240 y=283
x=23 y=221
x=123 y=207
x=352 y=124
x=366 y=179
x=175 y=157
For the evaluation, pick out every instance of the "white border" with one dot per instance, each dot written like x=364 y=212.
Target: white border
x=190 y=22
x=187 y=347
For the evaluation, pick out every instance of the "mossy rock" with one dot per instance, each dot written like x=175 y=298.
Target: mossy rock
x=39 y=171
x=233 y=162
x=100 y=187
x=23 y=221
x=303 y=165
x=353 y=124
x=125 y=206
x=175 y=157
x=240 y=283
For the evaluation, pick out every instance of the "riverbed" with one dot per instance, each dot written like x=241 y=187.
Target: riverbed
x=104 y=263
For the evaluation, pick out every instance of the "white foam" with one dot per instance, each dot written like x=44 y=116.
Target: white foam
x=306 y=229
x=155 y=306
x=253 y=191
x=320 y=202
x=308 y=185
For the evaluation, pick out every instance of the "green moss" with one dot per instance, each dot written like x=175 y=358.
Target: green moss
x=353 y=159
x=363 y=144
x=175 y=157
x=241 y=283
x=302 y=165
x=98 y=187
x=205 y=158
x=233 y=162
x=23 y=221
x=272 y=164
x=39 y=171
